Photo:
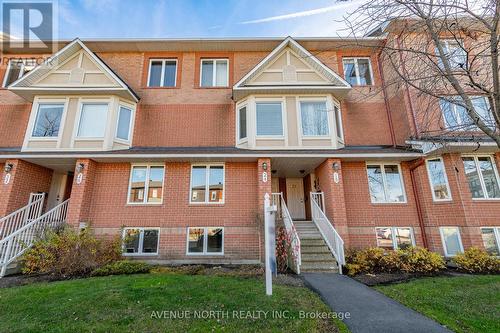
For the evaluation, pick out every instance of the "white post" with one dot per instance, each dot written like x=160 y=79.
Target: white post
x=270 y=240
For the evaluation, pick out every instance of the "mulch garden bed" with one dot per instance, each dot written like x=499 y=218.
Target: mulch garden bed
x=389 y=278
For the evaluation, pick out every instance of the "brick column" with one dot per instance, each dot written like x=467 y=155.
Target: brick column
x=25 y=178
x=264 y=187
x=81 y=194
x=334 y=196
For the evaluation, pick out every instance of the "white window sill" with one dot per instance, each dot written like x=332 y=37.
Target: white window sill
x=206 y=203
x=78 y=138
x=316 y=137
x=389 y=203
x=43 y=138
x=144 y=204
x=270 y=137
x=140 y=254
x=199 y=254
x=485 y=199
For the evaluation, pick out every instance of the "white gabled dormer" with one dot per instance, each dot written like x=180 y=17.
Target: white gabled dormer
x=290 y=100
x=79 y=103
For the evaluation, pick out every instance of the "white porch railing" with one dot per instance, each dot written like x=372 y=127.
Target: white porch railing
x=22 y=216
x=284 y=214
x=330 y=235
x=14 y=245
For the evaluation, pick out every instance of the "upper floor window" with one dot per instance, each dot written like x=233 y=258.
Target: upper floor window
x=491 y=240
x=338 y=122
x=207 y=184
x=385 y=183
x=482 y=176
x=146 y=184
x=124 y=123
x=214 y=73
x=314 y=118
x=394 y=237
x=16 y=69
x=48 y=120
x=242 y=123
x=162 y=73
x=358 y=71
x=456 y=117
x=93 y=118
x=454 y=52
x=269 y=118
x=438 y=180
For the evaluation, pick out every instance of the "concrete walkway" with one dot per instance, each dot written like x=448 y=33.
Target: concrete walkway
x=370 y=311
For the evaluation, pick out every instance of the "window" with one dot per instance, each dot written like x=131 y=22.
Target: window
x=456 y=117
x=491 y=240
x=140 y=241
x=314 y=118
x=162 y=73
x=358 y=71
x=205 y=241
x=438 y=180
x=93 y=120
x=207 y=184
x=48 y=120
x=338 y=122
x=242 y=123
x=16 y=69
x=269 y=119
x=385 y=183
x=146 y=184
x=482 y=176
x=452 y=242
x=454 y=52
x=214 y=73
x=124 y=123
x=394 y=237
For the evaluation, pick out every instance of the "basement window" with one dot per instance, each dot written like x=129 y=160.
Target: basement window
x=393 y=238
x=140 y=241
x=452 y=242
x=491 y=240
x=205 y=241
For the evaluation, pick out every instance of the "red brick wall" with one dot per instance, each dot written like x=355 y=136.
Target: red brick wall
x=26 y=178
x=13 y=123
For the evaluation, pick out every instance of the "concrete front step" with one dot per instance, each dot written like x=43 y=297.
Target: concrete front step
x=317 y=257
x=318 y=267
x=315 y=249
x=316 y=241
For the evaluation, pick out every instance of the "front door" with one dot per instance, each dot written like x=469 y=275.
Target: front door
x=57 y=189
x=295 y=198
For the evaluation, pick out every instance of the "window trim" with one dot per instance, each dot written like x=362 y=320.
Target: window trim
x=299 y=118
x=430 y=179
x=214 y=74
x=394 y=242
x=481 y=178
x=130 y=125
x=280 y=100
x=358 y=78
x=146 y=185
x=35 y=117
x=238 y=108
x=405 y=201
x=205 y=242
x=496 y=234
x=83 y=102
x=207 y=175
x=162 y=77
x=141 y=242
x=446 y=254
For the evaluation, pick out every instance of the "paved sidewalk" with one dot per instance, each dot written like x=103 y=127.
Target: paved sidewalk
x=370 y=311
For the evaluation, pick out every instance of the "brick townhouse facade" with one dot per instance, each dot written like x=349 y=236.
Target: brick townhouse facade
x=174 y=143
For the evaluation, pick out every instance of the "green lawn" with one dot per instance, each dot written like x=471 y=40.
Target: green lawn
x=462 y=303
x=126 y=304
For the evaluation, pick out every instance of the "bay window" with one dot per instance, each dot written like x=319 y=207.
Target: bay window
x=48 y=120
x=205 y=241
x=438 y=180
x=124 y=123
x=92 y=122
x=385 y=183
x=269 y=119
x=140 y=241
x=314 y=118
x=242 y=123
x=146 y=184
x=482 y=176
x=207 y=184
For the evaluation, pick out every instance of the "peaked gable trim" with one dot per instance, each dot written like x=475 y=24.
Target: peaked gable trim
x=309 y=59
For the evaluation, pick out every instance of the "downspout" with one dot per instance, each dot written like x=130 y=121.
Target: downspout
x=417 y=201
x=386 y=99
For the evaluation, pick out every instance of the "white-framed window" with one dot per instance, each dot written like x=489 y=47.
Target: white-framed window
x=207 y=184
x=48 y=120
x=438 y=179
x=269 y=118
x=16 y=69
x=482 y=176
x=93 y=118
x=214 y=73
x=385 y=183
x=242 y=123
x=394 y=237
x=140 y=241
x=162 y=73
x=124 y=123
x=491 y=240
x=205 y=241
x=452 y=241
x=358 y=71
x=314 y=118
x=338 y=122
x=454 y=52
x=146 y=184
x=455 y=114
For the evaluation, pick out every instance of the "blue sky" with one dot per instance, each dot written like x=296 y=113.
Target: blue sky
x=200 y=18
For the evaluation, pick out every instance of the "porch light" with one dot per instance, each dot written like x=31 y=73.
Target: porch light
x=80 y=167
x=264 y=166
x=8 y=167
x=336 y=166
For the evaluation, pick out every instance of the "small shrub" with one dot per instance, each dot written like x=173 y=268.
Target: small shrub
x=282 y=246
x=122 y=267
x=475 y=260
x=69 y=253
x=364 y=261
x=420 y=260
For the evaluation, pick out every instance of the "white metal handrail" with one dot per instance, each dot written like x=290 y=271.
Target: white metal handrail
x=330 y=235
x=296 y=256
x=14 y=245
x=22 y=216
